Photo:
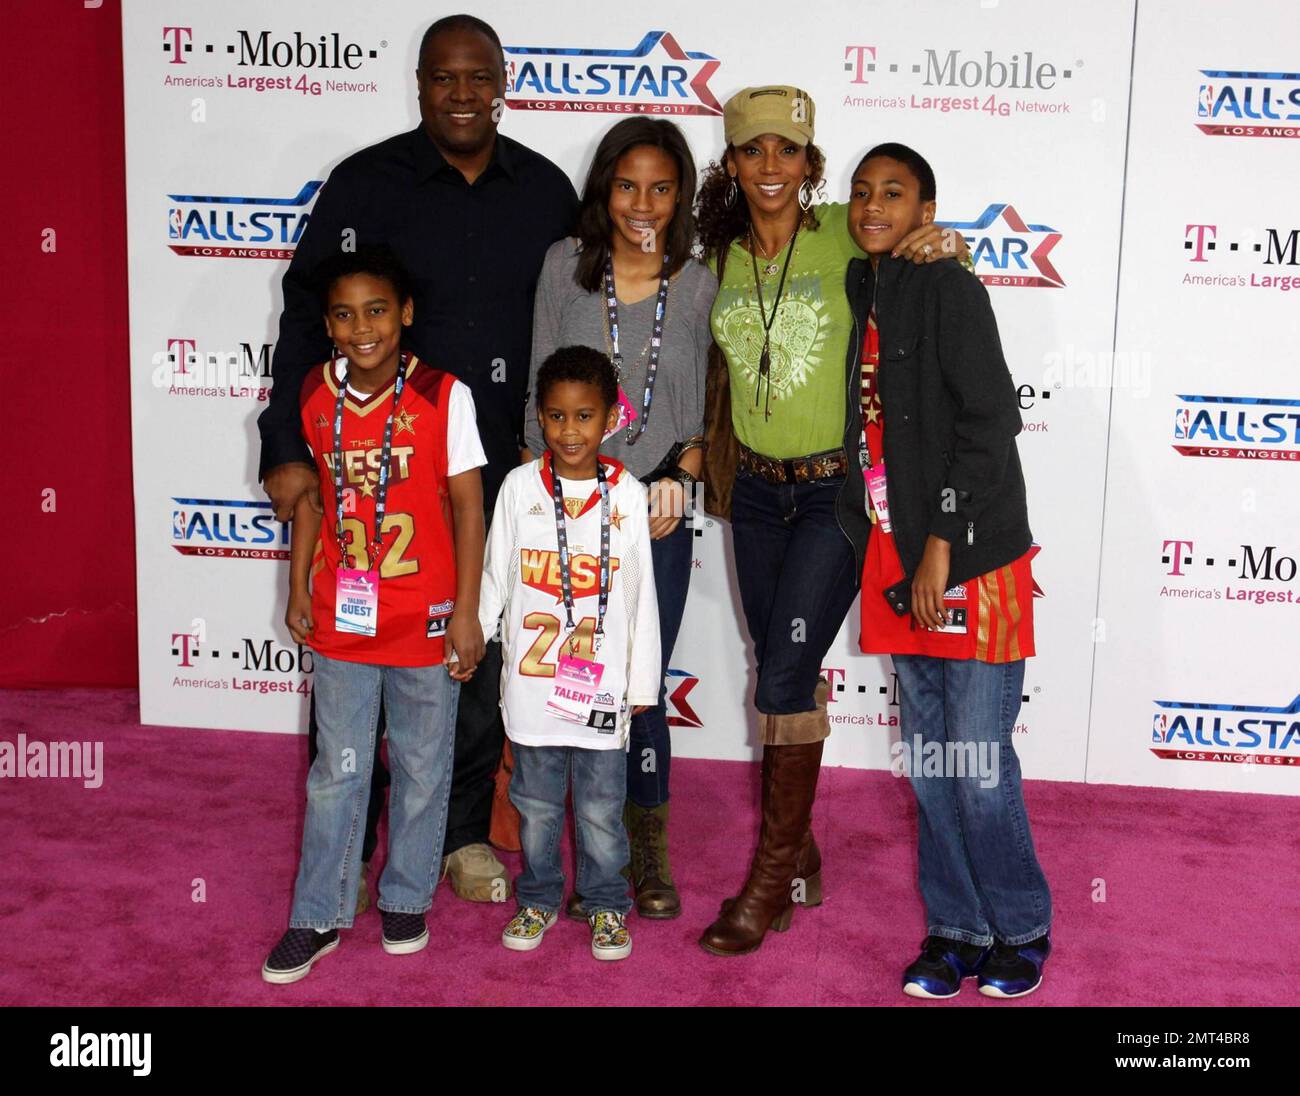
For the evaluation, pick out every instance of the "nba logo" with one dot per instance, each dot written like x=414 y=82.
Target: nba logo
x=178 y=524
x=1204 y=101
x=173 y=224
x=1182 y=423
x=1159 y=728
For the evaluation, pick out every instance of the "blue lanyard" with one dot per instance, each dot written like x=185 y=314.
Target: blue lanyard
x=381 y=495
x=656 y=340
x=562 y=536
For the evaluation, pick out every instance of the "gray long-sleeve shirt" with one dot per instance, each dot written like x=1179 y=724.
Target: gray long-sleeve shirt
x=565 y=314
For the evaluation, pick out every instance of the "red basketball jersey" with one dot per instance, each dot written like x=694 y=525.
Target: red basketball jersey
x=416 y=563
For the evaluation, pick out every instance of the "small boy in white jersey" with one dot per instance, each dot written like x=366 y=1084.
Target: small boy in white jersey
x=568 y=565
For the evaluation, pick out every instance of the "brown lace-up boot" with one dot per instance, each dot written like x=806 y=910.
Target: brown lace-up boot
x=652 y=878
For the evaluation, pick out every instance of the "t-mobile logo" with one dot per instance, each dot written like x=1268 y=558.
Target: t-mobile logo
x=1201 y=244
x=177 y=46
x=1174 y=555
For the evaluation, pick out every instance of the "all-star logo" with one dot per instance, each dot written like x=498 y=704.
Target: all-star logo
x=656 y=76
x=1237 y=427
x=233 y=226
x=1010 y=251
x=1252 y=734
x=1240 y=103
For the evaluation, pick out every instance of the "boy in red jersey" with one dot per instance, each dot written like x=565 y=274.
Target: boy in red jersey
x=946 y=585
x=392 y=608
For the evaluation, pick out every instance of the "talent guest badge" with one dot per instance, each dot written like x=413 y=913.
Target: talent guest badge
x=875 y=476
x=574 y=693
x=356 y=601
x=626 y=415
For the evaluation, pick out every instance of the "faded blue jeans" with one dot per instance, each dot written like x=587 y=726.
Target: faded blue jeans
x=538 y=788
x=980 y=878
x=420 y=707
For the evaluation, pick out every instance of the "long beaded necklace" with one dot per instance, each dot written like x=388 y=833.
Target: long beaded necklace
x=765 y=359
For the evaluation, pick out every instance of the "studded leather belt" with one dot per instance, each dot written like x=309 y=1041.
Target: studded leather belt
x=815 y=466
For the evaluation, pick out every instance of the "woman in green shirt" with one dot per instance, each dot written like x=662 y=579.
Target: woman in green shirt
x=783 y=431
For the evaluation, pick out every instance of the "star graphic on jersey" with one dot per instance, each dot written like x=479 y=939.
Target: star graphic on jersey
x=368 y=488
x=616 y=519
x=405 y=421
x=871 y=408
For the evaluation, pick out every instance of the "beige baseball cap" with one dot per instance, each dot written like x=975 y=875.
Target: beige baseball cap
x=776 y=108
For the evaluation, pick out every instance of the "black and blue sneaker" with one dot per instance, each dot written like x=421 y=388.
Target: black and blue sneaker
x=1014 y=970
x=941 y=966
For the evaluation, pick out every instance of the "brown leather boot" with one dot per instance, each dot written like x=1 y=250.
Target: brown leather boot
x=652 y=877
x=809 y=865
x=789 y=788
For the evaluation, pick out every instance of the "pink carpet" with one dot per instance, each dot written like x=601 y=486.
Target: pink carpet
x=1202 y=889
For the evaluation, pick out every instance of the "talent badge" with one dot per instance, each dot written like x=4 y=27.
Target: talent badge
x=626 y=415
x=875 y=477
x=356 y=601
x=575 y=696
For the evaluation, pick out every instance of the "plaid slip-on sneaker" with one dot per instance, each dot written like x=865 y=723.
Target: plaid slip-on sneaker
x=404 y=933
x=526 y=928
x=609 y=936
x=295 y=954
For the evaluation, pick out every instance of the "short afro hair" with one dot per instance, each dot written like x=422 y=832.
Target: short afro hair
x=581 y=365
x=460 y=22
x=375 y=260
x=917 y=164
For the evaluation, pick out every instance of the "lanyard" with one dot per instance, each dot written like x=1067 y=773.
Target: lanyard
x=381 y=494
x=656 y=339
x=562 y=536
x=765 y=358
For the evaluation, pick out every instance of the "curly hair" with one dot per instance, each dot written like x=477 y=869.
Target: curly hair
x=582 y=365
x=376 y=260
x=719 y=224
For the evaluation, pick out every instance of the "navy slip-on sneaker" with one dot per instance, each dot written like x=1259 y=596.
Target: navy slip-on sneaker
x=404 y=933
x=296 y=953
x=1015 y=970
x=942 y=965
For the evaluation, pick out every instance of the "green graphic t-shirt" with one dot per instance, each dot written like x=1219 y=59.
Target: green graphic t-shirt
x=809 y=341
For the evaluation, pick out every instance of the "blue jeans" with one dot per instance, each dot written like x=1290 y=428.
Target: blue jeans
x=671 y=557
x=798 y=576
x=537 y=788
x=980 y=878
x=420 y=706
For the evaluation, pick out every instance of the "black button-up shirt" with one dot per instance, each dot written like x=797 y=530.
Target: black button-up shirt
x=474 y=252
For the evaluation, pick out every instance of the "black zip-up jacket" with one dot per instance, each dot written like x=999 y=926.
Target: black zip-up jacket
x=951 y=416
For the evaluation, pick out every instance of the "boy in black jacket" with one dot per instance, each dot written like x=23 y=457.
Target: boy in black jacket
x=946 y=586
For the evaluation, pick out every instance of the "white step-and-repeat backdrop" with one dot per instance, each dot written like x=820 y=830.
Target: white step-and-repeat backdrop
x=1125 y=175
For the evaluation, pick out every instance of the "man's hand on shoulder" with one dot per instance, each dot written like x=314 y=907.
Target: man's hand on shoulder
x=285 y=484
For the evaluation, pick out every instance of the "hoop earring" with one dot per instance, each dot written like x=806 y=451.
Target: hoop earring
x=806 y=205
x=732 y=191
